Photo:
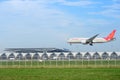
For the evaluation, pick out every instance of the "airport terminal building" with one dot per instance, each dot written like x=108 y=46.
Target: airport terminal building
x=53 y=54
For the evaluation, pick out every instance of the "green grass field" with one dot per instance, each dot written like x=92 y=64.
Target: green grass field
x=60 y=74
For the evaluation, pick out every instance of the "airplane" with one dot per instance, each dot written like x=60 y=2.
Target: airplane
x=92 y=40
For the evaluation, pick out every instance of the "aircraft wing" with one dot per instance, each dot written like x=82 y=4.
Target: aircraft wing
x=90 y=40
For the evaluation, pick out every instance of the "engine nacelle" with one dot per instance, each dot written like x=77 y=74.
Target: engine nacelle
x=83 y=41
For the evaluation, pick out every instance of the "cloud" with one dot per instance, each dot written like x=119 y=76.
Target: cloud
x=82 y=3
x=99 y=22
x=115 y=6
x=116 y=1
x=34 y=22
x=108 y=13
x=112 y=10
x=38 y=9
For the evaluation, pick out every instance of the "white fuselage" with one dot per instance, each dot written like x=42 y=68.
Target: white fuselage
x=93 y=39
x=83 y=40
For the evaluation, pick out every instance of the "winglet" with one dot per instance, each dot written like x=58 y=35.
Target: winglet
x=110 y=36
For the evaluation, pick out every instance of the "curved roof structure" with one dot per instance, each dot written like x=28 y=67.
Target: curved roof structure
x=35 y=50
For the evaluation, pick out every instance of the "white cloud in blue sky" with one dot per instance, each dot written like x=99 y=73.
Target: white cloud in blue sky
x=49 y=23
x=76 y=2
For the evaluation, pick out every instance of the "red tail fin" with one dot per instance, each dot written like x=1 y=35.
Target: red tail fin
x=110 y=36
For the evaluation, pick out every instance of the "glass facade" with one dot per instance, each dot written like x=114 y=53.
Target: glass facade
x=70 y=56
x=28 y=56
x=19 y=56
x=96 y=56
x=60 y=56
x=114 y=56
x=11 y=56
x=44 y=56
x=78 y=56
x=87 y=56
x=53 y=56
x=3 y=56
x=105 y=55
x=36 y=56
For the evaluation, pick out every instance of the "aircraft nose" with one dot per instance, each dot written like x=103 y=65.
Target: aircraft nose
x=69 y=40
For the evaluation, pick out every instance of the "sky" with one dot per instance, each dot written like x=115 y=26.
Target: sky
x=50 y=23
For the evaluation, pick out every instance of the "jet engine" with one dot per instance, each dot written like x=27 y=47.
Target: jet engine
x=83 y=41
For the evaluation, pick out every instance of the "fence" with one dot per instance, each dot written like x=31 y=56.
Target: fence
x=59 y=62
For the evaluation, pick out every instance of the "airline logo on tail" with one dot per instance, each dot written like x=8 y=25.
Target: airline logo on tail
x=110 y=36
